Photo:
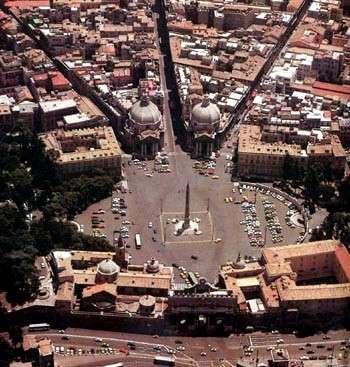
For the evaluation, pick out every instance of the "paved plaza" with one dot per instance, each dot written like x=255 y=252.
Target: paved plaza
x=171 y=222
x=160 y=197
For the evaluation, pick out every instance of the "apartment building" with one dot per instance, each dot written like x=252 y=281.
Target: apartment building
x=309 y=280
x=265 y=160
x=321 y=260
x=328 y=65
x=11 y=71
x=80 y=150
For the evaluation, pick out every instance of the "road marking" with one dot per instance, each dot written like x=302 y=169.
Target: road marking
x=255 y=340
x=181 y=213
x=107 y=339
x=189 y=241
x=186 y=361
x=299 y=343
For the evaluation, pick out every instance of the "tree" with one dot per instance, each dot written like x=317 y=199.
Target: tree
x=29 y=180
x=44 y=242
x=20 y=183
x=95 y=243
x=16 y=335
x=344 y=193
x=335 y=226
x=326 y=192
x=312 y=180
x=289 y=172
x=6 y=352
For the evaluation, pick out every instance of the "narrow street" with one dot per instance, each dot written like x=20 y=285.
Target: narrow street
x=282 y=42
x=162 y=40
x=169 y=138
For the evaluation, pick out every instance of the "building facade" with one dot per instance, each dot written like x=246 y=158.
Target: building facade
x=290 y=284
x=144 y=129
x=202 y=129
x=80 y=150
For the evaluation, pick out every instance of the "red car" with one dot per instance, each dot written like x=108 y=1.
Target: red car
x=124 y=350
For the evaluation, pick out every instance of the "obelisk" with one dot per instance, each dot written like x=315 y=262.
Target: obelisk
x=186 y=223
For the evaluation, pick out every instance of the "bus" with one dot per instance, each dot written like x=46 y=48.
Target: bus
x=164 y=361
x=38 y=327
x=138 y=243
x=119 y=364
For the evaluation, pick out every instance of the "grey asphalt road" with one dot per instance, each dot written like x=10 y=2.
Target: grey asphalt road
x=227 y=350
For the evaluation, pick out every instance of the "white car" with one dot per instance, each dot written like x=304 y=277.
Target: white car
x=180 y=348
x=150 y=224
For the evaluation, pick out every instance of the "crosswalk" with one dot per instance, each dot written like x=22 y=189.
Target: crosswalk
x=264 y=340
x=215 y=363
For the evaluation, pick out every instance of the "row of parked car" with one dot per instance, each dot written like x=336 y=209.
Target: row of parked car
x=119 y=206
x=252 y=224
x=273 y=223
x=72 y=351
x=97 y=221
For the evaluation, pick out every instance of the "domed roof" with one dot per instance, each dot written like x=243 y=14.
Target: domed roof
x=205 y=113
x=152 y=266
x=107 y=267
x=147 y=300
x=238 y=264
x=145 y=112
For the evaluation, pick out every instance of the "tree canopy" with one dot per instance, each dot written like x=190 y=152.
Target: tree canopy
x=30 y=182
x=337 y=223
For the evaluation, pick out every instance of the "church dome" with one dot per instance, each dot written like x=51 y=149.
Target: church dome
x=145 y=112
x=205 y=113
x=107 y=267
x=152 y=266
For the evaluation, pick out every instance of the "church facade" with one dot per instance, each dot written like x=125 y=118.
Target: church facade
x=202 y=128
x=144 y=129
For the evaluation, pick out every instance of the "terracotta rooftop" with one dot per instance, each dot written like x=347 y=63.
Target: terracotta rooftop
x=274 y=254
x=98 y=288
x=314 y=292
